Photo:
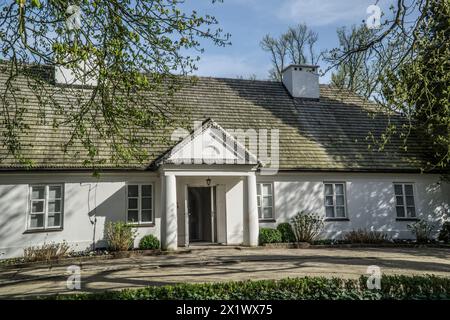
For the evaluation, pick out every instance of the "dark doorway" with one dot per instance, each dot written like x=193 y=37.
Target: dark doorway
x=201 y=211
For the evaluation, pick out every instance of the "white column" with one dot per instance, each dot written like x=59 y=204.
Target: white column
x=252 y=211
x=170 y=234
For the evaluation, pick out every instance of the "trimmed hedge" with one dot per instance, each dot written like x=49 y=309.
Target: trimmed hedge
x=287 y=234
x=149 y=242
x=310 y=288
x=269 y=235
x=444 y=234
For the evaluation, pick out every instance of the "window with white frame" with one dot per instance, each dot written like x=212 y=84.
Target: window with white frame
x=404 y=200
x=140 y=203
x=265 y=201
x=335 y=202
x=46 y=206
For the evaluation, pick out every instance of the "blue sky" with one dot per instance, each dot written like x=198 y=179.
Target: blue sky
x=249 y=20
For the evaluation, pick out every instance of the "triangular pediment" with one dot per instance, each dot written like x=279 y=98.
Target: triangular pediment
x=209 y=144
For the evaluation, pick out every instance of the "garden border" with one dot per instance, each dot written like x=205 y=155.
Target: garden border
x=138 y=253
x=306 y=245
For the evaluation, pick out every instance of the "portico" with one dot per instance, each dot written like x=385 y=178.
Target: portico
x=233 y=218
x=208 y=190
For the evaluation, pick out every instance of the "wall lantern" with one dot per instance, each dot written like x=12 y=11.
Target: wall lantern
x=208 y=181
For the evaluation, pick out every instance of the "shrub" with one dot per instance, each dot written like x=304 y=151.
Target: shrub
x=120 y=236
x=149 y=242
x=422 y=229
x=287 y=235
x=307 y=288
x=306 y=226
x=444 y=234
x=46 y=252
x=365 y=236
x=269 y=235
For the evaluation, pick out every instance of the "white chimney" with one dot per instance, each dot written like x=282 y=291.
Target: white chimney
x=302 y=81
x=85 y=74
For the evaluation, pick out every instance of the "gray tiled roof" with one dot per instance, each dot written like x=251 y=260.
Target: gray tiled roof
x=329 y=134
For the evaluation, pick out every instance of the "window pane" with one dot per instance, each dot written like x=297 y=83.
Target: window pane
x=340 y=212
x=400 y=212
x=329 y=200
x=133 y=191
x=133 y=216
x=258 y=198
x=411 y=211
x=146 y=215
x=339 y=188
x=54 y=220
x=132 y=203
x=37 y=193
x=146 y=203
x=267 y=201
x=398 y=189
x=339 y=200
x=267 y=189
x=329 y=211
x=399 y=200
x=54 y=192
x=410 y=201
x=36 y=221
x=408 y=189
x=54 y=206
x=147 y=191
x=37 y=206
x=267 y=213
x=258 y=188
x=259 y=213
x=328 y=189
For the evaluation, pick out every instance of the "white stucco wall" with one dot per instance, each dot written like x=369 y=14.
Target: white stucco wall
x=85 y=197
x=370 y=200
x=370 y=204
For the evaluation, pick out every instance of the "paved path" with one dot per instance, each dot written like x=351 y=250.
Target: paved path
x=223 y=265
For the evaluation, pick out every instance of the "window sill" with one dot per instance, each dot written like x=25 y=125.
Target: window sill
x=43 y=230
x=337 y=219
x=142 y=225
x=407 y=219
x=267 y=220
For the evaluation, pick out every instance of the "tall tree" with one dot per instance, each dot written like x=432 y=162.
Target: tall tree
x=420 y=88
x=296 y=46
x=409 y=54
x=135 y=50
x=357 y=74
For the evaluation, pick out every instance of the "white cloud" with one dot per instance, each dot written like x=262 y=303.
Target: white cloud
x=324 y=12
x=230 y=66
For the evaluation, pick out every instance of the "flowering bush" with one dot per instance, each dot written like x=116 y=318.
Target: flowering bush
x=120 y=236
x=306 y=226
x=422 y=229
x=46 y=252
x=365 y=236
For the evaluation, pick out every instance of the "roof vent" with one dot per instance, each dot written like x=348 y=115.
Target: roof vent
x=302 y=81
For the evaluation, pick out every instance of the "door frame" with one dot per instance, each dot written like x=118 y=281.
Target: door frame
x=214 y=225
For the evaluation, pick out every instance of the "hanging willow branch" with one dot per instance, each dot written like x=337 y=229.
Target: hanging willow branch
x=136 y=51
